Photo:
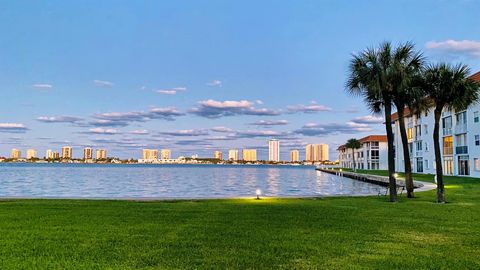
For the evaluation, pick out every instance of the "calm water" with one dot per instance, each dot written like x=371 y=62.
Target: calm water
x=171 y=181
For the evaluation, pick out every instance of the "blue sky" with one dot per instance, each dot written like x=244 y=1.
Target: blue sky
x=199 y=76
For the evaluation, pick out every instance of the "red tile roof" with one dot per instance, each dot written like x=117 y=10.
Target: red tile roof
x=476 y=77
x=370 y=138
x=374 y=138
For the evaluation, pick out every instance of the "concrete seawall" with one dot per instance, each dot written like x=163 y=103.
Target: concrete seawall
x=379 y=180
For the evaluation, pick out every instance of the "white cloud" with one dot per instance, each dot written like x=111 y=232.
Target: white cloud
x=172 y=91
x=106 y=131
x=215 y=83
x=468 y=47
x=167 y=92
x=44 y=86
x=139 y=132
x=215 y=109
x=101 y=83
x=59 y=119
x=12 y=127
x=312 y=108
x=368 y=119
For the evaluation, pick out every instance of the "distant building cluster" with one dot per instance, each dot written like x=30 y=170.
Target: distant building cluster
x=65 y=154
x=314 y=153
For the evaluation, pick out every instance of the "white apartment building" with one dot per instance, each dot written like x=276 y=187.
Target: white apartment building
x=459 y=141
x=218 y=155
x=165 y=154
x=274 y=150
x=233 y=154
x=371 y=156
x=31 y=153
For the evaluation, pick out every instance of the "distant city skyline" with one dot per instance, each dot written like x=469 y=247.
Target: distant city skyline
x=197 y=77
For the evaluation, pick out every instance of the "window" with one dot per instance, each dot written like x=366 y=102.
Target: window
x=419 y=145
x=426 y=165
x=448 y=145
x=477 y=140
x=447 y=125
x=410 y=133
x=426 y=147
x=476 y=164
x=375 y=154
x=425 y=129
x=426 y=113
x=476 y=117
x=461 y=118
x=420 y=165
x=448 y=165
x=463 y=165
x=410 y=148
x=418 y=131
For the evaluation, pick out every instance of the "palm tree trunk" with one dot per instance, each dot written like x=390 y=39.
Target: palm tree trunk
x=353 y=156
x=406 y=154
x=391 y=158
x=438 y=156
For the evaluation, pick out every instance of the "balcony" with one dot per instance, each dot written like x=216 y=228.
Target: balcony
x=447 y=131
x=418 y=153
x=461 y=150
x=461 y=128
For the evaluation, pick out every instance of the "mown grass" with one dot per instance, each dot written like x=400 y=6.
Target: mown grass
x=328 y=233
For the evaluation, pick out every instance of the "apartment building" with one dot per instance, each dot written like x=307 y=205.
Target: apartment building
x=372 y=154
x=233 y=154
x=249 y=154
x=294 y=156
x=459 y=140
x=274 y=150
x=217 y=155
x=316 y=152
x=67 y=152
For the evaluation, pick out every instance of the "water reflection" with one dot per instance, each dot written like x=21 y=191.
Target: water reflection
x=171 y=181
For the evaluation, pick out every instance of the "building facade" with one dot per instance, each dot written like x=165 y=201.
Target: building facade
x=294 y=156
x=274 y=150
x=87 y=153
x=217 y=155
x=67 y=152
x=316 y=152
x=233 y=154
x=31 y=153
x=249 y=154
x=49 y=154
x=101 y=154
x=372 y=154
x=150 y=155
x=165 y=154
x=459 y=141
x=16 y=154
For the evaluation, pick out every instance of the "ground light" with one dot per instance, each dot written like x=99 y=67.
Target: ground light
x=258 y=192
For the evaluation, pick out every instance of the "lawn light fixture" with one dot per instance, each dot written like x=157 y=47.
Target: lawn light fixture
x=258 y=192
x=395 y=175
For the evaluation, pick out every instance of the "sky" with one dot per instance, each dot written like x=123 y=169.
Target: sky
x=199 y=76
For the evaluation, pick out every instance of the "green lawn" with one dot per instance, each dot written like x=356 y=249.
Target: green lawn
x=331 y=233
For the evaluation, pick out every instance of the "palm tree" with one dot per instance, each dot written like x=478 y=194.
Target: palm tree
x=353 y=144
x=373 y=75
x=447 y=87
x=407 y=65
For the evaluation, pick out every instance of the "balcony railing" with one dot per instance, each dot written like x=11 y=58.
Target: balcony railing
x=418 y=153
x=461 y=128
x=447 y=131
x=448 y=150
x=461 y=150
